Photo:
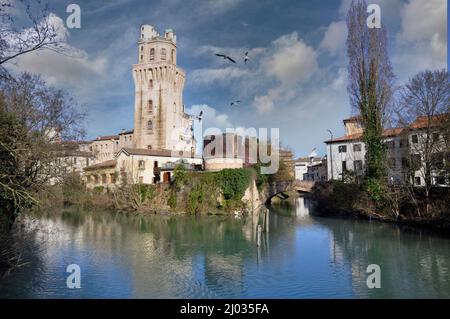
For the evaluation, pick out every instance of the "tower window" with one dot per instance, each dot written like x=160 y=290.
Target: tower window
x=150 y=106
x=163 y=54
x=150 y=125
x=152 y=54
x=174 y=107
x=142 y=57
x=142 y=48
x=150 y=84
x=173 y=56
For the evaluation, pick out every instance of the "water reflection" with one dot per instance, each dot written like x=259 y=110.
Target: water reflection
x=300 y=256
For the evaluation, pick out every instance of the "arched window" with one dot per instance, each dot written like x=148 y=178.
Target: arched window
x=150 y=106
x=152 y=54
x=142 y=57
x=150 y=84
x=173 y=56
x=163 y=54
x=150 y=125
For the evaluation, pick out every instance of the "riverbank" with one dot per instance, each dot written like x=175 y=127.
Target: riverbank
x=338 y=199
x=224 y=192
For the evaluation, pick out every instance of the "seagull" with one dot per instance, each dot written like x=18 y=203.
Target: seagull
x=246 y=57
x=226 y=57
x=199 y=116
x=235 y=103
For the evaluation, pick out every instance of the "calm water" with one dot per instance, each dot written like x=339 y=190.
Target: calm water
x=302 y=256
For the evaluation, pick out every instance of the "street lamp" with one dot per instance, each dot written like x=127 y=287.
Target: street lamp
x=331 y=153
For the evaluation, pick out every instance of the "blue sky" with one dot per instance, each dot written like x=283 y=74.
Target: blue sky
x=295 y=79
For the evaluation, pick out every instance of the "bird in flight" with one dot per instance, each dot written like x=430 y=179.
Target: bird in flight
x=226 y=57
x=246 y=57
x=199 y=116
x=235 y=102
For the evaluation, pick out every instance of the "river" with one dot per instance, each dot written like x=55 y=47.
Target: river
x=301 y=256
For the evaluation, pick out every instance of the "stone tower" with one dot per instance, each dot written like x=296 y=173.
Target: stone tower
x=159 y=119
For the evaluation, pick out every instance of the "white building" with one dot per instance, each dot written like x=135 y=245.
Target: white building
x=317 y=172
x=301 y=166
x=346 y=154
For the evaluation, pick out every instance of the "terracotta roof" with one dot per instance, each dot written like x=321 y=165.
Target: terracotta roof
x=422 y=121
x=106 y=164
x=358 y=136
x=163 y=153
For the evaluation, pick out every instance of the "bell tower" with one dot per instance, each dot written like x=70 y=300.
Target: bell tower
x=158 y=108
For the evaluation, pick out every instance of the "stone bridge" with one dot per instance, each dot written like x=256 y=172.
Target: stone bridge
x=281 y=188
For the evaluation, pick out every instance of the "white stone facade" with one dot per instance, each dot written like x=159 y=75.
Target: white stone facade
x=348 y=153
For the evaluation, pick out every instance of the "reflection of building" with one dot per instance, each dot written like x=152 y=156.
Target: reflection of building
x=405 y=156
x=162 y=131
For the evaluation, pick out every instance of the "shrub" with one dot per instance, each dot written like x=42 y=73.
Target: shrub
x=98 y=189
x=233 y=182
x=172 y=201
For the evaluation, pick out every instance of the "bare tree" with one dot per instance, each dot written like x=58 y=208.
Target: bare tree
x=423 y=108
x=35 y=122
x=39 y=33
x=370 y=83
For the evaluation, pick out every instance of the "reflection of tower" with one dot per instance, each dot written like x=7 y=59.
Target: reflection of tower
x=159 y=82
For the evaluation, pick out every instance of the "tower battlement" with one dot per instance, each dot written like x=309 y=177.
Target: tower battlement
x=149 y=33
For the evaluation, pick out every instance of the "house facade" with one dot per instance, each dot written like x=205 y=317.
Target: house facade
x=405 y=162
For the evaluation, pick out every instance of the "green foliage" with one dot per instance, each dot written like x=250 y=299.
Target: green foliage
x=233 y=182
x=196 y=197
x=375 y=189
x=172 y=201
x=180 y=176
x=98 y=189
x=146 y=191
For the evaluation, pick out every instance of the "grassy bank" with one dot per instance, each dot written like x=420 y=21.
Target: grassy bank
x=189 y=192
x=336 y=198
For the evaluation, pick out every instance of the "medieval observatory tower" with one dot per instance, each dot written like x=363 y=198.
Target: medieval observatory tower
x=159 y=119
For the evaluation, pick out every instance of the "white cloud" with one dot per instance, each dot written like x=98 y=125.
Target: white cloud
x=70 y=67
x=422 y=40
x=211 y=117
x=209 y=76
x=334 y=38
x=291 y=61
x=425 y=21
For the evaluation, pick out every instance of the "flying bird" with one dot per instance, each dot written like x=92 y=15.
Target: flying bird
x=246 y=57
x=235 y=103
x=199 y=116
x=226 y=57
